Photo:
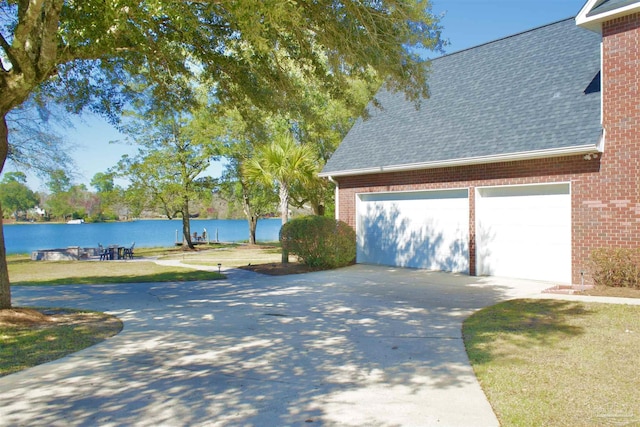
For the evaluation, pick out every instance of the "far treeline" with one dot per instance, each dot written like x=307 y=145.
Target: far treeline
x=105 y=202
x=271 y=87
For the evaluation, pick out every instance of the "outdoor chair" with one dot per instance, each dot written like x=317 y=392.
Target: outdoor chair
x=128 y=252
x=103 y=252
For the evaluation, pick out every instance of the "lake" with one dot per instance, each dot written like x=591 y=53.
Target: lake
x=24 y=238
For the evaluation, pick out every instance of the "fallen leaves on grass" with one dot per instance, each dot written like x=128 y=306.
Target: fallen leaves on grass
x=13 y=317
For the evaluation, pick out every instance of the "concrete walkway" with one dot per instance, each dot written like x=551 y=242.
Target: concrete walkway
x=365 y=345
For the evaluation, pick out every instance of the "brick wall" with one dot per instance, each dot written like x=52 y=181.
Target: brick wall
x=572 y=169
x=616 y=211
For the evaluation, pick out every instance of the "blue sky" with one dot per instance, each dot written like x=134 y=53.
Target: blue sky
x=466 y=23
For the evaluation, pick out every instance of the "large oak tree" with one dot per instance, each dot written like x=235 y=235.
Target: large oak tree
x=94 y=47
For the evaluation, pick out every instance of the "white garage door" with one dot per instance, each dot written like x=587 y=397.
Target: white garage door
x=427 y=229
x=524 y=232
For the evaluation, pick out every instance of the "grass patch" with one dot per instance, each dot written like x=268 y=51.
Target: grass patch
x=229 y=256
x=33 y=336
x=24 y=273
x=560 y=363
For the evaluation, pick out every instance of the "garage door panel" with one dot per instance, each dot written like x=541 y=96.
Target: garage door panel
x=525 y=232
x=417 y=229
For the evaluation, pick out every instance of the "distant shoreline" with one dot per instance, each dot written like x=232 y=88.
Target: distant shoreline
x=12 y=222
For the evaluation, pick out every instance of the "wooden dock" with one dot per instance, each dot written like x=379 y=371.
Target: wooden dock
x=198 y=240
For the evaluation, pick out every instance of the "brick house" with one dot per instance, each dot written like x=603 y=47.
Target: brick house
x=524 y=158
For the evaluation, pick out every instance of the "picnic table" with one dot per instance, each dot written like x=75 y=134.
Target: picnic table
x=116 y=252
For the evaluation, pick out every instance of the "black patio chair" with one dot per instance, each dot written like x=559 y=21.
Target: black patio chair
x=103 y=252
x=128 y=252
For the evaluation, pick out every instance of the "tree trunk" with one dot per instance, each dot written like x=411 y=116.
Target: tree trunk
x=5 y=285
x=251 y=218
x=284 y=203
x=253 y=225
x=186 y=225
x=284 y=214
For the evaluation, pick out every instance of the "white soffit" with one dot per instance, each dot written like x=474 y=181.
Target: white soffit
x=594 y=22
x=500 y=158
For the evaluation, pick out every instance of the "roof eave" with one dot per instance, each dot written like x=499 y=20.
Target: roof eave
x=594 y=23
x=470 y=161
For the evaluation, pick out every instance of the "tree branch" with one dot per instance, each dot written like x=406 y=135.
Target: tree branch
x=47 y=59
x=6 y=47
x=28 y=18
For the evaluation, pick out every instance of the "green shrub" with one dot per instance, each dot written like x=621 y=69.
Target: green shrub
x=615 y=267
x=319 y=241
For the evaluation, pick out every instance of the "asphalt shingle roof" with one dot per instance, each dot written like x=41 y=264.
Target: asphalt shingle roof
x=537 y=90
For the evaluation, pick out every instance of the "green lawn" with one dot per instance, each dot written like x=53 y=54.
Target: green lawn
x=558 y=363
x=229 y=256
x=42 y=273
x=24 y=272
x=30 y=338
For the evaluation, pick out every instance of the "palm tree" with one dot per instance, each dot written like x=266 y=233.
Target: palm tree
x=282 y=163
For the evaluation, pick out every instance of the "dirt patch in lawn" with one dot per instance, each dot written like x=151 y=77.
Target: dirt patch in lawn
x=603 y=291
x=49 y=317
x=22 y=317
x=280 y=269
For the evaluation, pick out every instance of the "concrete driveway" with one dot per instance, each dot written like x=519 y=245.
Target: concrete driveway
x=365 y=345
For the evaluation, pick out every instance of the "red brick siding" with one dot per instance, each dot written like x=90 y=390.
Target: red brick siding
x=567 y=169
x=618 y=213
x=605 y=194
x=472 y=232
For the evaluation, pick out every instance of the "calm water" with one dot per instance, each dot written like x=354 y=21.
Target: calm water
x=24 y=238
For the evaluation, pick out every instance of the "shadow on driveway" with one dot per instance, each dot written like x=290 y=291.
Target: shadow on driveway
x=364 y=345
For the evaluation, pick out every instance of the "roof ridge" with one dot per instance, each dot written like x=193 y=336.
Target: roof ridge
x=505 y=37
